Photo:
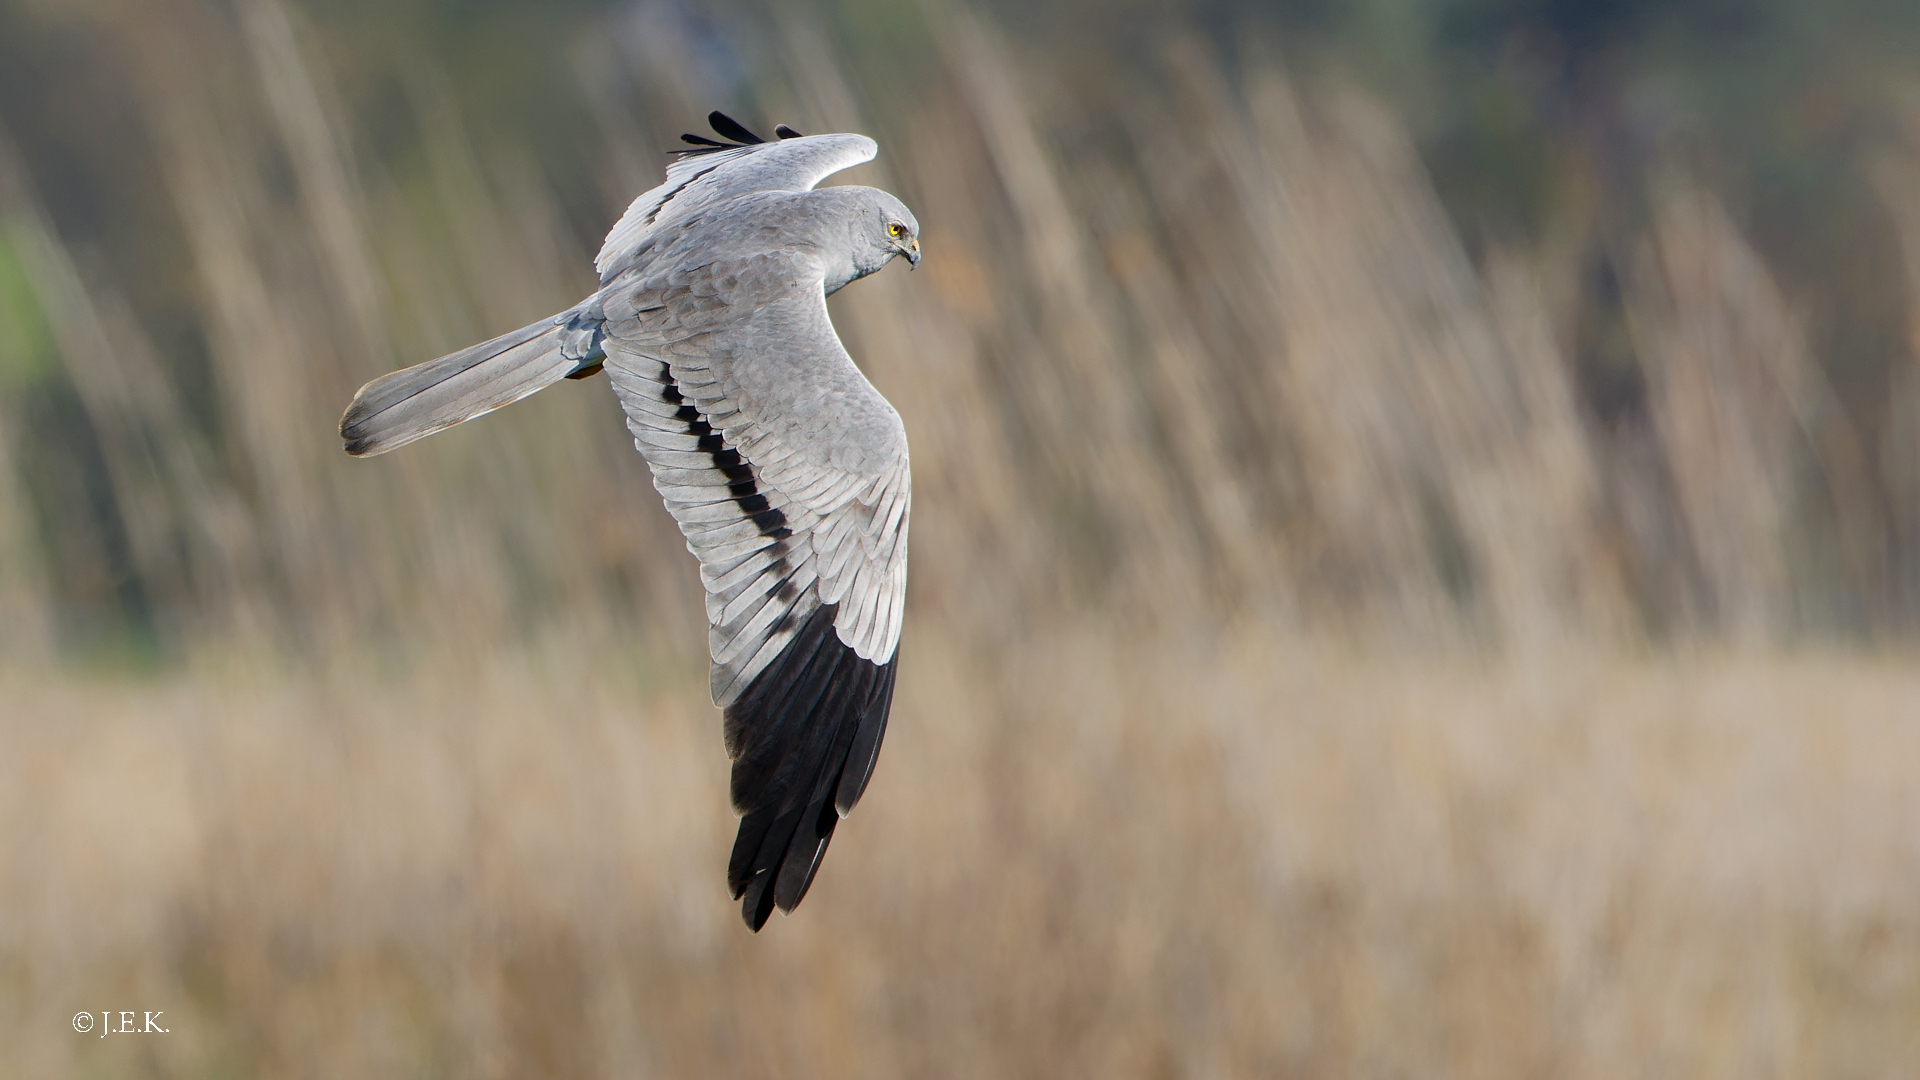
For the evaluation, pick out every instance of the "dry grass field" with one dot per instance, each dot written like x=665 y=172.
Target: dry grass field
x=1227 y=856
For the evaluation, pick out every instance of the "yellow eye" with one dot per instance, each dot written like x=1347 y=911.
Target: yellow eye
x=896 y=229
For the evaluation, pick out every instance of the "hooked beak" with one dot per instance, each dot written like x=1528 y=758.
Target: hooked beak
x=913 y=253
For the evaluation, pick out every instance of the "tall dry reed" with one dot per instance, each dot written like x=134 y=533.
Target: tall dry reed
x=1211 y=344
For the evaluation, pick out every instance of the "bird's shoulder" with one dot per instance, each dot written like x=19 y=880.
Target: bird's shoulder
x=682 y=294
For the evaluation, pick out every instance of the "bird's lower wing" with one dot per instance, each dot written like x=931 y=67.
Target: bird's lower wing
x=788 y=475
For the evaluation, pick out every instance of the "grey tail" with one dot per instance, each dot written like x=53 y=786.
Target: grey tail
x=412 y=403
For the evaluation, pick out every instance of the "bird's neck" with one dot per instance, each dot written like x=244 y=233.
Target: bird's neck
x=839 y=277
x=834 y=223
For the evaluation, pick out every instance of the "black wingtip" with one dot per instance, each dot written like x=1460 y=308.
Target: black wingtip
x=803 y=737
x=758 y=904
x=729 y=128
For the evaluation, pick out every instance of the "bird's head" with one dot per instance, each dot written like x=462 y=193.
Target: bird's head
x=894 y=232
x=878 y=230
x=903 y=234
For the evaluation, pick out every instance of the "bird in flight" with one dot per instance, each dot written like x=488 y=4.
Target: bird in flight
x=785 y=468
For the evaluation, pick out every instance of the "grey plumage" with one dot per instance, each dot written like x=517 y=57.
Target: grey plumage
x=785 y=469
x=412 y=403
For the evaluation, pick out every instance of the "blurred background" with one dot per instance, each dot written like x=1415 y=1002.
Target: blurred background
x=1416 y=550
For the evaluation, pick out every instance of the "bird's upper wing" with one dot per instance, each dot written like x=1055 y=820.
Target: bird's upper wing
x=699 y=180
x=788 y=474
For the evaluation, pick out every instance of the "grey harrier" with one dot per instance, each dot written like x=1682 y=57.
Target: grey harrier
x=785 y=468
